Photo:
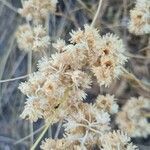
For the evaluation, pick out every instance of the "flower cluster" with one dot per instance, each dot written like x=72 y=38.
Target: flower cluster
x=86 y=127
x=104 y=53
x=132 y=119
x=57 y=89
x=140 y=18
x=49 y=86
x=67 y=71
x=117 y=140
x=86 y=123
x=37 y=10
x=60 y=144
x=35 y=39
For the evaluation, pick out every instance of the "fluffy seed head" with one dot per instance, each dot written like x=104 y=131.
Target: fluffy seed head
x=59 y=144
x=117 y=140
x=35 y=39
x=108 y=65
x=140 y=21
x=85 y=117
x=37 y=10
x=132 y=119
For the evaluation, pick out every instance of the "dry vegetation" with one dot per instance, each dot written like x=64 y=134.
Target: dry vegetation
x=19 y=57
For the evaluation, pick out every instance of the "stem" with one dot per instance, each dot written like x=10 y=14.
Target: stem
x=39 y=138
x=96 y=131
x=84 y=6
x=134 y=81
x=50 y=132
x=125 y=18
x=9 y=6
x=25 y=138
x=13 y=79
x=136 y=56
x=29 y=62
x=29 y=72
x=31 y=132
x=97 y=13
x=84 y=139
x=58 y=128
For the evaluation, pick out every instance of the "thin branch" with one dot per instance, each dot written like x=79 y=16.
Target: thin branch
x=58 y=128
x=84 y=139
x=145 y=48
x=9 y=5
x=97 y=13
x=13 y=79
x=40 y=137
x=25 y=138
x=31 y=132
x=125 y=18
x=29 y=63
x=84 y=6
x=134 y=81
x=136 y=56
x=92 y=129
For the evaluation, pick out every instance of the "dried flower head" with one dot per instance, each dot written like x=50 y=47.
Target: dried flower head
x=132 y=119
x=65 y=71
x=50 y=83
x=108 y=65
x=139 y=23
x=103 y=54
x=107 y=103
x=37 y=10
x=117 y=140
x=140 y=20
x=60 y=144
x=87 y=36
x=86 y=122
x=35 y=39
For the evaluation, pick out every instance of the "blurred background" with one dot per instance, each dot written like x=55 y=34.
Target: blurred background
x=71 y=14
